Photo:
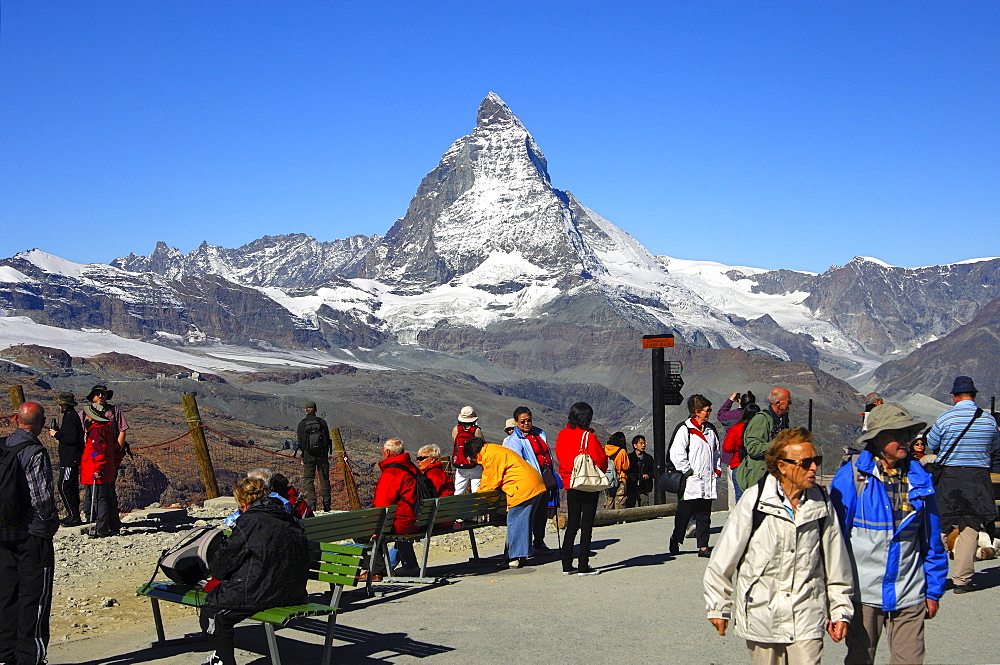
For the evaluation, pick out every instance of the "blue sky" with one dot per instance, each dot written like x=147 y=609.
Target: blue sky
x=772 y=134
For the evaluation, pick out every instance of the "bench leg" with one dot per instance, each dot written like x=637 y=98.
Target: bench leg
x=472 y=539
x=427 y=549
x=272 y=644
x=158 y=620
x=331 y=623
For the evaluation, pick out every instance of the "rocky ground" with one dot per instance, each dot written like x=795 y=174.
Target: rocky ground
x=96 y=578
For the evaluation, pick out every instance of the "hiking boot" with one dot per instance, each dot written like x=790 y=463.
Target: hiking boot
x=363 y=577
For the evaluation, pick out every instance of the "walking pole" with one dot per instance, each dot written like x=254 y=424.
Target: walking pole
x=93 y=508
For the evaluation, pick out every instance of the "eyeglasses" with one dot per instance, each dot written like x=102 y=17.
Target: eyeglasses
x=421 y=458
x=806 y=462
x=524 y=420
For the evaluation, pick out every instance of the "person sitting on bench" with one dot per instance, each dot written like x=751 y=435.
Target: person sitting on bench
x=264 y=564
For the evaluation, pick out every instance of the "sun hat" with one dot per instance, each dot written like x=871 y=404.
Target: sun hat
x=91 y=412
x=66 y=399
x=467 y=415
x=511 y=424
x=963 y=384
x=100 y=389
x=890 y=415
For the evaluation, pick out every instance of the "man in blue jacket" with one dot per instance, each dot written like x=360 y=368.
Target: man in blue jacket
x=885 y=503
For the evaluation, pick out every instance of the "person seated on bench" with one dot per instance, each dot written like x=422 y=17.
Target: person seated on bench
x=264 y=564
x=266 y=476
x=505 y=470
x=429 y=463
x=397 y=486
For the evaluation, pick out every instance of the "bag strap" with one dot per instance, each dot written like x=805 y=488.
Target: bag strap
x=975 y=416
x=583 y=441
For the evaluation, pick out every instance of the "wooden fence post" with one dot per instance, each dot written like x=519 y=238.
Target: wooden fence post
x=353 y=502
x=200 y=445
x=16 y=397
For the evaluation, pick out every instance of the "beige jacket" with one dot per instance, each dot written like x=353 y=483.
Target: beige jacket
x=788 y=587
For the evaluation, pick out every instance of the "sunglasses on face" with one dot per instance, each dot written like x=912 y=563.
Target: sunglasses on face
x=805 y=463
x=421 y=458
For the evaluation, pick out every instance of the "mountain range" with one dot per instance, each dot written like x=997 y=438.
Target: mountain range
x=494 y=273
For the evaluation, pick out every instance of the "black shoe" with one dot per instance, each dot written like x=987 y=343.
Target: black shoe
x=69 y=521
x=569 y=571
x=675 y=547
x=707 y=552
x=503 y=565
x=587 y=570
x=964 y=588
x=326 y=507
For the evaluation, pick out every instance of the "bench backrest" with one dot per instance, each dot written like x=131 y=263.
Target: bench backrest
x=336 y=563
x=351 y=525
x=461 y=507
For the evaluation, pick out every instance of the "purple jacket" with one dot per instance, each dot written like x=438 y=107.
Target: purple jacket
x=729 y=416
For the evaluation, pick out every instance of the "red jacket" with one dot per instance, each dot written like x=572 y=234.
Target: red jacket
x=396 y=487
x=733 y=441
x=444 y=485
x=568 y=447
x=101 y=454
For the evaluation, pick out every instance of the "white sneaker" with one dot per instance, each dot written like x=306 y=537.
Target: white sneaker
x=583 y=572
x=213 y=660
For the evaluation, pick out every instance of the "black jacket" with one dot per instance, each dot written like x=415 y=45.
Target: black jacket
x=70 y=438
x=637 y=466
x=264 y=563
x=302 y=437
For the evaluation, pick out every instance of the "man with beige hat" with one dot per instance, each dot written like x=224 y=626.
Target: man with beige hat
x=886 y=505
x=467 y=474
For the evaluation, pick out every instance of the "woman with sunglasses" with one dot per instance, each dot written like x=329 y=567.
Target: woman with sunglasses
x=782 y=557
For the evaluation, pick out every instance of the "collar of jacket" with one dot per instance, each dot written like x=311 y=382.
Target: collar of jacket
x=813 y=505
x=921 y=483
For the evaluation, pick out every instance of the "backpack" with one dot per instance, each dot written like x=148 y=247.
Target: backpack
x=425 y=486
x=614 y=480
x=315 y=441
x=458 y=457
x=187 y=560
x=15 y=498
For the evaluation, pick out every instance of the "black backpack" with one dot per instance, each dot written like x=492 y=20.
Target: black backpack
x=425 y=487
x=315 y=441
x=15 y=498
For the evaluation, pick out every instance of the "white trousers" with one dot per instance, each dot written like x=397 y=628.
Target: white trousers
x=468 y=478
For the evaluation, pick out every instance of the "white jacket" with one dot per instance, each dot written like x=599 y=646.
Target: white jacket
x=788 y=587
x=702 y=456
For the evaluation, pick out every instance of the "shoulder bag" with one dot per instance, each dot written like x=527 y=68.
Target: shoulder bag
x=586 y=477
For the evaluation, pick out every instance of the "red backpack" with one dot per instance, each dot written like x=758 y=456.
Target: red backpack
x=465 y=432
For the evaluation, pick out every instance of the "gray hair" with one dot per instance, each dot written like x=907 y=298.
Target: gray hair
x=262 y=474
x=430 y=450
x=394 y=446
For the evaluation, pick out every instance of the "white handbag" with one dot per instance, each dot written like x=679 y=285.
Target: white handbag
x=586 y=477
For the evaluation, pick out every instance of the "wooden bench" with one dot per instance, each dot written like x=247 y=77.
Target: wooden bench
x=336 y=564
x=474 y=510
x=366 y=527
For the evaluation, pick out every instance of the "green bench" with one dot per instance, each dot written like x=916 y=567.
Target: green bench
x=338 y=565
x=366 y=527
x=474 y=510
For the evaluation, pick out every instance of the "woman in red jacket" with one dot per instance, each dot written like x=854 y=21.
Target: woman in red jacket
x=734 y=442
x=581 y=506
x=99 y=467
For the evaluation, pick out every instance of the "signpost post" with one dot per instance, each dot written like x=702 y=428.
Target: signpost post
x=666 y=390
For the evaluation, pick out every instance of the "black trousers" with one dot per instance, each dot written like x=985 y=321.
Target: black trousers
x=310 y=469
x=103 y=499
x=581 y=508
x=26 y=573
x=220 y=624
x=701 y=511
x=539 y=517
x=69 y=490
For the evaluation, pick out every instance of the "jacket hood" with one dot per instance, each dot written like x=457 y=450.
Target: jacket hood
x=921 y=483
x=402 y=458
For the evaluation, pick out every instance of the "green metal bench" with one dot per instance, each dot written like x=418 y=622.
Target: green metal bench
x=338 y=565
x=474 y=510
x=366 y=527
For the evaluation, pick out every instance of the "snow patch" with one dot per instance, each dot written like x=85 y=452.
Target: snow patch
x=10 y=275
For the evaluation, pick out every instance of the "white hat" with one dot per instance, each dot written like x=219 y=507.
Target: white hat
x=467 y=415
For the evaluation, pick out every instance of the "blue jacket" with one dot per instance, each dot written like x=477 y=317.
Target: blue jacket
x=897 y=567
x=517 y=442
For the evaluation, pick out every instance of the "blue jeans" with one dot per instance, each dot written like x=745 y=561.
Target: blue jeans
x=736 y=485
x=519 y=527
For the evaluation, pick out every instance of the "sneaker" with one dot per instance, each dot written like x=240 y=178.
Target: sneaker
x=503 y=565
x=69 y=521
x=588 y=571
x=691 y=531
x=570 y=571
x=519 y=562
